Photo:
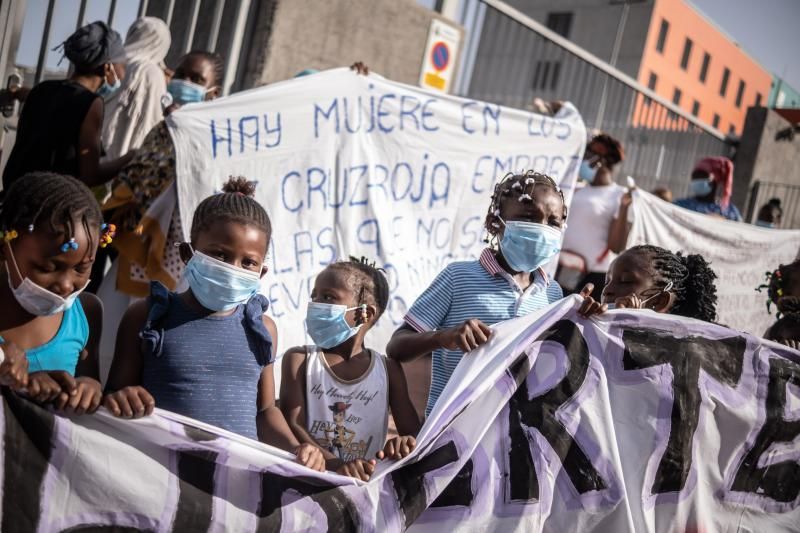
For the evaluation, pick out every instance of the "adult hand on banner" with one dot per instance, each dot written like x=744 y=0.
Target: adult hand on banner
x=397 y=447
x=48 y=386
x=85 y=398
x=13 y=366
x=358 y=469
x=360 y=68
x=466 y=337
x=130 y=402
x=310 y=456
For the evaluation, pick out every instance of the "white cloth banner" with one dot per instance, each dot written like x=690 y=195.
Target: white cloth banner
x=632 y=422
x=355 y=165
x=739 y=254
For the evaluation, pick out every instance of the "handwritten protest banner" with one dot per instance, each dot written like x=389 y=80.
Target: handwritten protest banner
x=739 y=253
x=630 y=422
x=353 y=165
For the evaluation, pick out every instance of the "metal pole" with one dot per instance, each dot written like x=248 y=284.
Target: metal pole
x=614 y=55
x=48 y=20
x=213 y=34
x=189 y=35
x=237 y=36
x=142 y=9
x=111 y=10
x=170 y=10
x=81 y=14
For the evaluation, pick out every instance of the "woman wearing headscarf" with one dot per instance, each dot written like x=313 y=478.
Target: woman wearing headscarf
x=135 y=109
x=61 y=122
x=711 y=187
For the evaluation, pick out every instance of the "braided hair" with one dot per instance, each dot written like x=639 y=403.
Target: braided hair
x=692 y=281
x=787 y=327
x=775 y=282
x=522 y=187
x=216 y=62
x=234 y=204
x=368 y=282
x=50 y=202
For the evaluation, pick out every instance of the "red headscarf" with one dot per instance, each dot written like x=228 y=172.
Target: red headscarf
x=720 y=171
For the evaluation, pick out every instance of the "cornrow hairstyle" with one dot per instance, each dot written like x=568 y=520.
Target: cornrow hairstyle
x=368 y=282
x=522 y=186
x=775 y=281
x=51 y=202
x=234 y=204
x=692 y=281
x=788 y=324
x=216 y=61
x=615 y=152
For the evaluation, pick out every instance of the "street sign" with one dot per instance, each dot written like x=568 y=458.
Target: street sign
x=438 y=63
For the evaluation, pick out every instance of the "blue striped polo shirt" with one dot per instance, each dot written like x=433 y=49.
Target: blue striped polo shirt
x=479 y=289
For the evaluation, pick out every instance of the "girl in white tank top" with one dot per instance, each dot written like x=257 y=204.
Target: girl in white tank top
x=336 y=394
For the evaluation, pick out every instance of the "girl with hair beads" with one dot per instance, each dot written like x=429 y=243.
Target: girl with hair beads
x=452 y=316
x=783 y=290
x=207 y=353
x=649 y=277
x=51 y=228
x=337 y=393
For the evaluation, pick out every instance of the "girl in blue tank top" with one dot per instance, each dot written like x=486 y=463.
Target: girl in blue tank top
x=207 y=353
x=51 y=227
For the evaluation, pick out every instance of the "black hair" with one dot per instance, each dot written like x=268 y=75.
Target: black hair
x=521 y=185
x=615 y=152
x=692 y=281
x=234 y=204
x=212 y=57
x=787 y=327
x=53 y=202
x=368 y=282
x=767 y=211
x=775 y=280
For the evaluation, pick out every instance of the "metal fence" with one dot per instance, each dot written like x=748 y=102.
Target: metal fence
x=510 y=59
x=762 y=192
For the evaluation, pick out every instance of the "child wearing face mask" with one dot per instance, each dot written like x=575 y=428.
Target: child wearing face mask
x=649 y=277
x=207 y=353
x=337 y=394
x=51 y=228
x=452 y=316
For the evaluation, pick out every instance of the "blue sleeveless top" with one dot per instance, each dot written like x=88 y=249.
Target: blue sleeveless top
x=205 y=367
x=63 y=350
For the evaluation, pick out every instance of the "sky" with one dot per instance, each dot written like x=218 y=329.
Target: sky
x=768 y=30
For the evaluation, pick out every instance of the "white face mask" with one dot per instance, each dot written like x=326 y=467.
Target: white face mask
x=37 y=300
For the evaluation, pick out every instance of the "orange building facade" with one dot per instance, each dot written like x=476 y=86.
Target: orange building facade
x=692 y=63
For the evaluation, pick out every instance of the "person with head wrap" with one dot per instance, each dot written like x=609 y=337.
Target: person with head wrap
x=60 y=125
x=711 y=188
x=135 y=108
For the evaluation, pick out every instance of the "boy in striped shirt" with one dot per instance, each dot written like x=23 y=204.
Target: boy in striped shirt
x=452 y=316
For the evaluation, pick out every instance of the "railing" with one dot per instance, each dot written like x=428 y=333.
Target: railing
x=762 y=192
x=510 y=58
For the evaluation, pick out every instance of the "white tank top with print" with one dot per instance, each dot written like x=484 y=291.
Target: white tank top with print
x=348 y=418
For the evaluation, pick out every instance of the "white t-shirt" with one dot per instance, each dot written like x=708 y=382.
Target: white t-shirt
x=348 y=418
x=590 y=216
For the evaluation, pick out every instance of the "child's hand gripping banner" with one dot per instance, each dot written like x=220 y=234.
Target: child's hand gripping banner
x=633 y=422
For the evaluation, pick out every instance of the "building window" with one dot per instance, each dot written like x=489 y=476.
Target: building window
x=740 y=94
x=545 y=75
x=758 y=100
x=662 y=36
x=676 y=97
x=732 y=130
x=704 y=68
x=696 y=108
x=723 y=88
x=687 y=52
x=561 y=23
x=651 y=83
x=715 y=122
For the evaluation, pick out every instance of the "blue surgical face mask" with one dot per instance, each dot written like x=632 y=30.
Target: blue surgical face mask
x=327 y=325
x=765 y=224
x=527 y=245
x=701 y=188
x=185 y=92
x=586 y=172
x=219 y=286
x=107 y=90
